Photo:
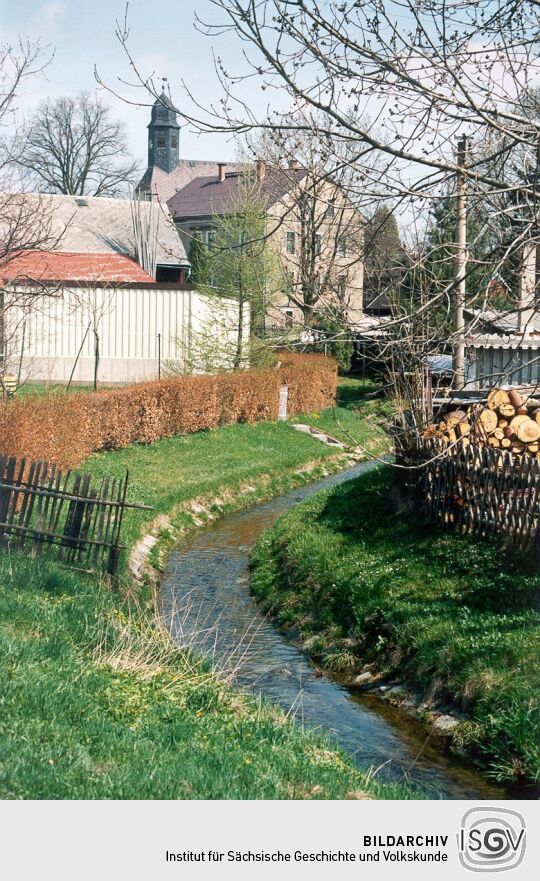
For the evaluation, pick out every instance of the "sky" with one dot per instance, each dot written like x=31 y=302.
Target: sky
x=163 y=40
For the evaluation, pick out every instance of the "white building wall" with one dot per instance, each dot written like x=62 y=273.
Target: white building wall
x=128 y=321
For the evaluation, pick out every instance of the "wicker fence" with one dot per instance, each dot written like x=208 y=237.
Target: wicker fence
x=480 y=489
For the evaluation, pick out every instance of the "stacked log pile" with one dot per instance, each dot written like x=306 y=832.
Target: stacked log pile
x=508 y=421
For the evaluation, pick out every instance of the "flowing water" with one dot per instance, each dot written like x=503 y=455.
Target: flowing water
x=207 y=605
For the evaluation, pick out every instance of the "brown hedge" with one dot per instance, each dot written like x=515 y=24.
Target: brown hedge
x=68 y=428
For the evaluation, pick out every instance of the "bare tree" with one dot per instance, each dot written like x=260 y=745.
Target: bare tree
x=241 y=264
x=385 y=259
x=429 y=71
x=320 y=226
x=25 y=226
x=74 y=146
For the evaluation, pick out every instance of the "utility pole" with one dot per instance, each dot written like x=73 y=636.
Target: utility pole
x=528 y=293
x=458 y=299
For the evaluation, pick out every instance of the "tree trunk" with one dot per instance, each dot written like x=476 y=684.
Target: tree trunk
x=2 y=336
x=240 y=333
x=96 y=358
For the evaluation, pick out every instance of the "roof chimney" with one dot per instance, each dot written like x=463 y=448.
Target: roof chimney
x=261 y=169
x=221 y=171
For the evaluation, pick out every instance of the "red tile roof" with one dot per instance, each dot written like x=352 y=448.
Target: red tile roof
x=54 y=266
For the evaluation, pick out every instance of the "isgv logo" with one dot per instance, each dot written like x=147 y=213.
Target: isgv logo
x=491 y=839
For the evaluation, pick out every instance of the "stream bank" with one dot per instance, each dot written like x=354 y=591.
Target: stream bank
x=207 y=606
x=428 y=620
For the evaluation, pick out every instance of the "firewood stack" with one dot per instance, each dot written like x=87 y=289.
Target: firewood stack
x=509 y=421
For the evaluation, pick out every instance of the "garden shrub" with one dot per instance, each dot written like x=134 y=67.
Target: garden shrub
x=67 y=428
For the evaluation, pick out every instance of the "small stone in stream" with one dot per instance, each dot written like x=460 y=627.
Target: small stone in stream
x=410 y=704
x=383 y=688
x=397 y=689
x=445 y=724
x=362 y=678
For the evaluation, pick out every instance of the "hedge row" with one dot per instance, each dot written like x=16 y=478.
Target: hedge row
x=68 y=428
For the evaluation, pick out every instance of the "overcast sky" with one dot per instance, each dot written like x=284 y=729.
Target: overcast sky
x=163 y=40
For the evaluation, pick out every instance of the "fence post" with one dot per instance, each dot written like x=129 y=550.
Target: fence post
x=283 y=399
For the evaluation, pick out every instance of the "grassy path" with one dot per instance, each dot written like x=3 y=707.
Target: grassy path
x=96 y=702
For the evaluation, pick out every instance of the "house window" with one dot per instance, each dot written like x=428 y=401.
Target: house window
x=290 y=242
x=289 y=317
x=342 y=246
x=341 y=289
x=204 y=233
x=330 y=209
x=318 y=243
x=169 y=274
x=161 y=141
x=174 y=142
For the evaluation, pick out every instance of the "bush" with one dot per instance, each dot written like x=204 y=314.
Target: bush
x=335 y=339
x=67 y=428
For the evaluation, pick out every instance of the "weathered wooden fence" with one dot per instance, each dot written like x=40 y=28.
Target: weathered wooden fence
x=477 y=488
x=42 y=506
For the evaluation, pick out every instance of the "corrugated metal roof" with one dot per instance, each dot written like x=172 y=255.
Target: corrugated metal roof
x=40 y=266
x=503 y=342
x=97 y=225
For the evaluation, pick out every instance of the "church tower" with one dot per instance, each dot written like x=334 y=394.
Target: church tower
x=163 y=135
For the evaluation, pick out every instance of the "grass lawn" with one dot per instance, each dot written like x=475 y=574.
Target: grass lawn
x=174 y=470
x=358 y=419
x=54 y=388
x=456 y=617
x=96 y=702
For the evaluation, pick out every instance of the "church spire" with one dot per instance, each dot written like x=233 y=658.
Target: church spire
x=163 y=134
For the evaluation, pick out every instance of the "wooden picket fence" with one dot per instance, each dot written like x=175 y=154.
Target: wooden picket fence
x=480 y=489
x=41 y=506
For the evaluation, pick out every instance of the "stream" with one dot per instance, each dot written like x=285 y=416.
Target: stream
x=207 y=606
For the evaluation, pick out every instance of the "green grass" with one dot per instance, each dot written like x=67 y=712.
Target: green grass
x=453 y=615
x=359 y=419
x=172 y=471
x=175 y=470
x=98 y=705
x=96 y=702
x=54 y=388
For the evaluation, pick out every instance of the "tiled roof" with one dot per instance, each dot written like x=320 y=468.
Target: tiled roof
x=206 y=196
x=98 y=225
x=165 y=185
x=53 y=266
